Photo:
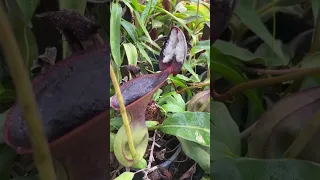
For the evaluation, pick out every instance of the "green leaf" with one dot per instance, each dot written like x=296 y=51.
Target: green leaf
x=249 y=17
x=151 y=124
x=224 y=66
x=7 y=156
x=223 y=127
x=200 y=154
x=28 y=8
x=115 y=18
x=131 y=29
x=200 y=46
x=192 y=126
x=282 y=169
x=190 y=70
x=180 y=21
x=141 y=164
x=144 y=54
x=26 y=40
x=315 y=10
x=270 y=57
x=179 y=83
x=132 y=54
x=172 y=102
x=232 y=50
x=148 y=10
x=144 y=29
x=112 y=136
x=311 y=61
x=125 y=176
x=220 y=151
x=115 y=123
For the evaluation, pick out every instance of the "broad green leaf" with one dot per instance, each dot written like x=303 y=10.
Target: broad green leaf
x=115 y=123
x=220 y=151
x=172 y=108
x=115 y=18
x=172 y=102
x=271 y=59
x=223 y=65
x=203 y=13
x=249 y=17
x=132 y=54
x=200 y=46
x=197 y=152
x=130 y=29
x=233 y=50
x=7 y=156
x=28 y=8
x=180 y=8
x=282 y=169
x=151 y=124
x=192 y=126
x=125 y=176
x=141 y=164
x=223 y=127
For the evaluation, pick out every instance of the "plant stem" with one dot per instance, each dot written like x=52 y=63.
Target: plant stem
x=26 y=98
x=304 y=136
x=192 y=87
x=298 y=74
x=270 y=71
x=123 y=111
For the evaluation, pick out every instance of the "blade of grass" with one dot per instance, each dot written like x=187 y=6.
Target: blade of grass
x=115 y=19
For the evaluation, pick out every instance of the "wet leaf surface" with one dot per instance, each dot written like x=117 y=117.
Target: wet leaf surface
x=192 y=126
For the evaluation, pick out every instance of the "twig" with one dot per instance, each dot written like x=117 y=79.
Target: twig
x=191 y=87
x=270 y=71
x=26 y=98
x=123 y=111
x=298 y=74
x=151 y=158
